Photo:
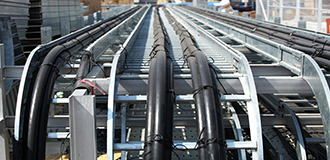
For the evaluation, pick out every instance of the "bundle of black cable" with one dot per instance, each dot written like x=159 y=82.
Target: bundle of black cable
x=159 y=124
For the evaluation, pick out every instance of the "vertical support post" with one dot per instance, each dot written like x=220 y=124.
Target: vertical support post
x=258 y=16
x=281 y=10
x=268 y=9
x=7 y=39
x=328 y=25
x=263 y=10
x=65 y=28
x=82 y=126
x=298 y=11
x=90 y=19
x=123 y=128
x=245 y=14
x=106 y=14
x=302 y=24
x=257 y=7
x=109 y=13
x=277 y=20
x=46 y=34
x=98 y=16
x=4 y=151
x=114 y=82
x=319 y=15
x=80 y=22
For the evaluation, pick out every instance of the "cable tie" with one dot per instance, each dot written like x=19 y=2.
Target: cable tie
x=83 y=46
x=172 y=91
x=196 y=91
x=90 y=35
x=200 y=141
x=192 y=53
x=92 y=85
x=254 y=29
x=51 y=65
x=212 y=59
x=321 y=51
x=291 y=33
x=86 y=52
x=217 y=78
x=315 y=39
x=216 y=140
x=188 y=47
x=66 y=49
x=125 y=61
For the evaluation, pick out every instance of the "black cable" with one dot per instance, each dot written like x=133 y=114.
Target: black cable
x=160 y=97
x=313 y=45
x=20 y=147
x=218 y=79
x=205 y=99
x=42 y=91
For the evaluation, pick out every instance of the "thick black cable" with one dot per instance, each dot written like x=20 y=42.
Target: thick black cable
x=42 y=91
x=218 y=107
x=204 y=91
x=301 y=41
x=83 y=70
x=170 y=99
x=160 y=104
x=21 y=145
x=150 y=116
x=199 y=100
x=160 y=97
x=310 y=44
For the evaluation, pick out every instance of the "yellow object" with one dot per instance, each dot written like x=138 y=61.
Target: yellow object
x=57 y=157
x=117 y=155
x=162 y=1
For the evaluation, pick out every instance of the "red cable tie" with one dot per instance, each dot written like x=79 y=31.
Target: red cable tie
x=92 y=85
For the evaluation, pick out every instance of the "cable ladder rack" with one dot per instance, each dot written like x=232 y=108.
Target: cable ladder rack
x=301 y=65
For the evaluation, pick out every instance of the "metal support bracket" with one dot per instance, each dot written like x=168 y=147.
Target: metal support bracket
x=82 y=125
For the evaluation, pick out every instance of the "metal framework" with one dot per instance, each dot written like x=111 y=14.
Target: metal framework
x=312 y=12
x=297 y=62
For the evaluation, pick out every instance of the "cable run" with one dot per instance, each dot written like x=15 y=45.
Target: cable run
x=159 y=123
x=206 y=96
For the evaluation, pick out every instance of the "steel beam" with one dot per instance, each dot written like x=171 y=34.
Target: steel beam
x=62 y=121
x=270 y=84
x=4 y=152
x=264 y=84
x=231 y=144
